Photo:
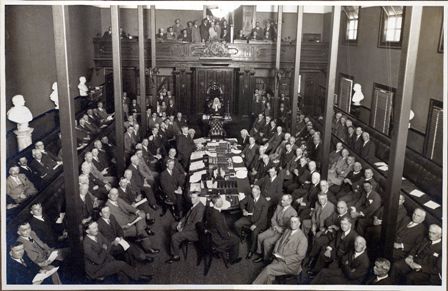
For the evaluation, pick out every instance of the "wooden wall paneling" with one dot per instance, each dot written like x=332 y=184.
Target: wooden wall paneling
x=182 y=84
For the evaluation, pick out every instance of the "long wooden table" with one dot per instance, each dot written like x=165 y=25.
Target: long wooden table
x=224 y=154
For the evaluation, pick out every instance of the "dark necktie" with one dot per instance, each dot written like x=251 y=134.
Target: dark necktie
x=23 y=262
x=31 y=240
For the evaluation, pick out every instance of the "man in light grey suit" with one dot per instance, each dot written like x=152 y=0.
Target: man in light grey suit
x=289 y=251
x=279 y=222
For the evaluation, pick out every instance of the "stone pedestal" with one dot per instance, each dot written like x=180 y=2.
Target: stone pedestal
x=24 y=138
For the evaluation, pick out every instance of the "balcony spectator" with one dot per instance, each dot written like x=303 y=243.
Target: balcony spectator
x=183 y=36
x=108 y=33
x=161 y=35
x=241 y=35
x=195 y=33
x=270 y=27
x=258 y=31
x=225 y=35
x=204 y=30
x=189 y=30
x=177 y=27
x=170 y=35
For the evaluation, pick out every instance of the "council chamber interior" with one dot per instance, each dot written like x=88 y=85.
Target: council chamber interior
x=180 y=143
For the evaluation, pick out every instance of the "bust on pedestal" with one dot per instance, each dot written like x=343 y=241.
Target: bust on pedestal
x=21 y=115
x=83 y=89
x=54 y=96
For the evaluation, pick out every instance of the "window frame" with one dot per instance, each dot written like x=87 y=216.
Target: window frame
x=390 y=44
x=345 y=40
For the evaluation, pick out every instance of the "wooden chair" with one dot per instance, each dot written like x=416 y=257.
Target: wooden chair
x=207 y=250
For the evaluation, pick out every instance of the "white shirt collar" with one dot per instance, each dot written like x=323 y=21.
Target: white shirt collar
x=358 y=254
x=92 y=237
x=436 y=241
x=41 y=218
x=286 y=207
x=347 y=232
x=340 y=215
x=378 y=278
x=219 y=209
x=113 y=202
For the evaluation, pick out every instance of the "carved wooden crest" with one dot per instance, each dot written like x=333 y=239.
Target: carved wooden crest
x=216 y=49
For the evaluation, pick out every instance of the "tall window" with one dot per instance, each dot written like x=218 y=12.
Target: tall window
x=391 y=26
x=351 y=30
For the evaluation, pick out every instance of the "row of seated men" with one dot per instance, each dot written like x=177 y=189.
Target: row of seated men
x=263 y=102
x=320 y=205
x=25 y=180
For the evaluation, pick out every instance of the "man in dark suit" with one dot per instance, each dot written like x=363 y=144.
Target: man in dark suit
x=29 y=173
x=305 y=197
x=43 y=227
x=249 y=152
x=338 y=247
x=275 y=140
x=315 y=153
x=367 y=151
x=409 y=234
x=357 y=140
x=40 y=168
x=129 y=141
x=171 y=185
x=21 y=270
x=352 y=268
x=129 y=193
x=271 y=186
x=365 y=207
x=113 y=233
x=380 y=273
x=289 y=251
x=254 y=219
x=140 y=183
x=98 y=262
x=185 y=146
x=185 y=229
x=222 y=237
x=423 y=265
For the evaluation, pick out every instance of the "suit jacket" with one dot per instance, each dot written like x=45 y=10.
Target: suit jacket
x=18 y=273
x=320 y=214
x=272 y=189
x=259 y=211
x=316 y=152
x=169 y=183
x=275 y=140
x=355 y=269
x=250 y=154
x=281 y=218
x=37 y=251
x=44 y=229
x=429 y=256
x=342 y=244
x=286 y=157
x=293 y=248
x=129 y=194
x=217 y=225
x=410 y=236
x=386 y=281
x=243 y=142
x=185 y=146
x=123 y=213
x=137 y=179
x=129 y=143
x=95 y=256
x=29 y=173
x=13 y=189
x=369 y=205
x=193 y=216
x=334 y=156
x=367 y=151
x=86 y=206
x=43 y=170
x=357 y=143
x=110 y=230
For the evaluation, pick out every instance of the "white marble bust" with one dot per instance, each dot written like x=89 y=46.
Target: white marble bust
x=83 y=89
x=358 y=96
x=19 y=113
x=54 y=95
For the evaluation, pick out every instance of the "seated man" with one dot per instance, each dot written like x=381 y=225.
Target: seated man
x=185 y=229
x=29 y=173
x=305 y=198
x=349 y=183
x=424 y=263
x=38 y=251
x=47 y=157
x=367 y=151
x=365 y=207
x=98 y=262
x=254 y=219
x=322 y=210
x=222 y=237
x=352 y=268
x=271 y=186
x=131 y=220
x=266 y=240
x=18 y=187
x=289 y=251
x=112 y=231
x=356 y=191
x=380 y=273
x=130 y=194
x=53 y=232
x=337 y=248
x=42 y=169
x=172 y=187
x=341 y=168
x=250 y=152
x=20 y=269
x=141 y=183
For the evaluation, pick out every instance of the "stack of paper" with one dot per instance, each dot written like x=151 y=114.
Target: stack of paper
x=235 y=151
x=197 y=155
x=431 y=204
x=211 y=185
x=382 y=166
x=44 y=275
x=200 y=140
x=195 y=178
x=232 y=139
x=241 y=174
x=417 y=193
x=237 y=159
x=210 y=154
x=197 y=165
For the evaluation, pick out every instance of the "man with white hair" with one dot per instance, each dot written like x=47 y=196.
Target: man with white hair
x=424 y=263
x=42 y=168
x=352 y=269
